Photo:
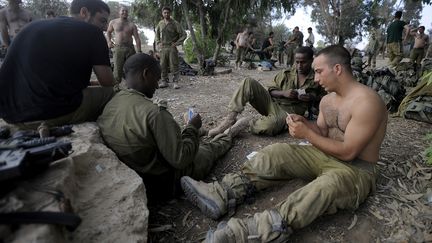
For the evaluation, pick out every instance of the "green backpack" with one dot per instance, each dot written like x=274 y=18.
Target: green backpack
x=420 y=109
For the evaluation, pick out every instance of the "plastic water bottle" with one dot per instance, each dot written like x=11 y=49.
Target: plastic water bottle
x=190 y=113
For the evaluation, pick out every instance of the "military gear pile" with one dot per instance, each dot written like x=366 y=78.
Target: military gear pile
x=426 y=65
x=384 y=82
x=186 y=69
x=406 y=74
x=417 y=105
x=420 y=109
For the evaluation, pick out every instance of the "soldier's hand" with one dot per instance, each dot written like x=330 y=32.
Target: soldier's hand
x=304 y=97
x=298 y=129
x=291 y=94
x=196 y=121
x=110 y=44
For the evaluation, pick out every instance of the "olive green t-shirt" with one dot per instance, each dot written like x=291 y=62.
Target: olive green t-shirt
x=394 y=31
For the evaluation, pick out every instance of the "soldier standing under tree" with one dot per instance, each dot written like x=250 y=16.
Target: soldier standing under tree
x=169 y=34
x=372 y=50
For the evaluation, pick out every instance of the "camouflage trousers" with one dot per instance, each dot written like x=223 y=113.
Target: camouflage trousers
x=241 y=52
x=417 y=55
x=168 y=185
x=394 y=51
x=290 y=54
x=333 y=185
x=92 y=105
x=169 y=61
x=120 y=55
x=274 y=114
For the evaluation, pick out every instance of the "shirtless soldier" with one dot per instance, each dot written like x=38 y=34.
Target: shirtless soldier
x=123 y=46
x=421 y=42
x=12 y=19
x=340 y=163
x=242 y=45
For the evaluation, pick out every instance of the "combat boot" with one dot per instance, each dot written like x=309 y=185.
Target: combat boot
x=163 y=84
x=175 y=81
x=239 y=126
x=176 y=85
x=224 y=125
x=210 y=198
x=267 y=226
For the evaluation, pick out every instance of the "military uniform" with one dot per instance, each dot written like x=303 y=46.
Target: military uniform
x=297 y=41
x=168 y=34
x=145 y=136
x=394 y=42
x=372 y=50
x=334 y=185
x=120 y=54
x=274 y=109
x=417 y=54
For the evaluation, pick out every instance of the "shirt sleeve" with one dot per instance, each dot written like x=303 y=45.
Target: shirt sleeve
x=278 y=81
x=157 y=35
x=182 y=34
x=177 y=147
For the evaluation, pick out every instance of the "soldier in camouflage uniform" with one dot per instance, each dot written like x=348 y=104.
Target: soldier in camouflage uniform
x=372 y=50
x=294 y=91
x=394 y=39
x=145 y=136
x=340 y=164
x=295 y=41
x=169 y=34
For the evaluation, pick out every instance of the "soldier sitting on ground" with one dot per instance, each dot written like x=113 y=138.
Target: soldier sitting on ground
x=145 y=136
x=340 y=164
x=294 y=91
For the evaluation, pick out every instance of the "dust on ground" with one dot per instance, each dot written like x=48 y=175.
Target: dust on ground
x=398 y=210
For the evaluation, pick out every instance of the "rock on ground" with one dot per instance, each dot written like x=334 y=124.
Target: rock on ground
x=109 y=197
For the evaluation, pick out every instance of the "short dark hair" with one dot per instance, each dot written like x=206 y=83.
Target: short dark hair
x=337 y=54
x=422 y=27
x=271 y=33
x=166 y=8
x=306 y=50
x=310 y=28
x=93 y=6
x=398 y=14
x=138 y=62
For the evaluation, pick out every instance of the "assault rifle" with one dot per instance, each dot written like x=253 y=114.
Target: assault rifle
x=25 y=153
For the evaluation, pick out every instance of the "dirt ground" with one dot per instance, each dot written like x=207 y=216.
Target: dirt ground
x=397 y=212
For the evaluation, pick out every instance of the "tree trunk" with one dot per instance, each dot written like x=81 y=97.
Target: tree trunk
x=202 y=19
x=196 y=48
x=221 y=31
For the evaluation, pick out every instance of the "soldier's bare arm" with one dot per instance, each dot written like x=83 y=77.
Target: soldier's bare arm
x=366 y=118
x=104 y=75
x=109 y=32
x=137 y=38
x=4 y=28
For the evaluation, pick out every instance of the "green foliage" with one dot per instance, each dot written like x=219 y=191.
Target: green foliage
x=208 y=45
x=428 y=151
x=40 y=7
